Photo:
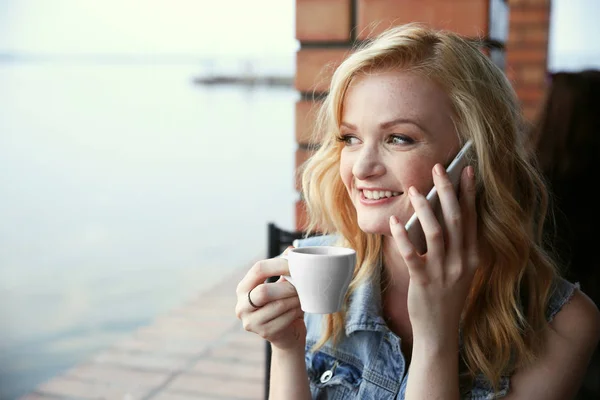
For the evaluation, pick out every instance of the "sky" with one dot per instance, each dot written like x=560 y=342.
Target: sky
x=574 y=30
x=147 y=26
x=217 y=28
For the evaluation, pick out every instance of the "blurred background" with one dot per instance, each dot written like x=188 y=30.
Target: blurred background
x=125 y=186
x=144 y=146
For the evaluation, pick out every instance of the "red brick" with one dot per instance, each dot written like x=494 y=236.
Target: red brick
x=306 y=112
x=530 y=94
x=516 y=3
x=532 y=75
x=314 y=68
x=529 y=15
x=323 y=20
x=224 y=387
x=511 y=75
x=530 y=112
x=466 y=17
x=534 y=35
x=516 y=56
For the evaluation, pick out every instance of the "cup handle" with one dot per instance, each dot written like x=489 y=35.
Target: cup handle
x=287 y=277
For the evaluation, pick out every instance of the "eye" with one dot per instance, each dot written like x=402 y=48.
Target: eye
x=399 y=140
x=348 y=140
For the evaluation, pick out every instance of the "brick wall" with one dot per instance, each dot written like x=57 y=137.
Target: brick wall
x=326 y=30
x=527 y=52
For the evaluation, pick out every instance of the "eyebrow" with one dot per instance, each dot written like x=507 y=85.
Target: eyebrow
x=389 y=124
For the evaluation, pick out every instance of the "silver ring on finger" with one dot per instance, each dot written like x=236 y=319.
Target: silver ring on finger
x=250 y=301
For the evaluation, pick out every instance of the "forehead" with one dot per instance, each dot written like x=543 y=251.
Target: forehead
x=381 y=97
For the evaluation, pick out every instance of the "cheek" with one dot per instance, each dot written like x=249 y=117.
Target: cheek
x=417 y=173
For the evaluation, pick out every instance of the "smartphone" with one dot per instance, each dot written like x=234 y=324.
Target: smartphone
x=454 y=170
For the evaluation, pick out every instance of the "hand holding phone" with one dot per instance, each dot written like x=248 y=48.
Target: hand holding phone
x=454 y=170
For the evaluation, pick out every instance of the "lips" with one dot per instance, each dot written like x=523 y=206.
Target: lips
x=370 y=197
x=378 y=194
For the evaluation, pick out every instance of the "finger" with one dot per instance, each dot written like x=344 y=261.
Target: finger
x=406 y=248
x=275 y=309
x=434 y=235
x=262 y=295
x=268 y=292
x=272 y=328
x=468 y=206
x=451 y=210
x=260 y=271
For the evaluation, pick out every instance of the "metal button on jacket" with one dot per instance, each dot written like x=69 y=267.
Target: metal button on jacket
x=326 y=377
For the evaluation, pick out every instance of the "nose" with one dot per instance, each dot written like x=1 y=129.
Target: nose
x=368 y=164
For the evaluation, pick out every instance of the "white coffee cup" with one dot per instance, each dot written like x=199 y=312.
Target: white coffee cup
x=321 y=275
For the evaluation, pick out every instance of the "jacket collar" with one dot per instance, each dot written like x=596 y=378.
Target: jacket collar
x=364 y=311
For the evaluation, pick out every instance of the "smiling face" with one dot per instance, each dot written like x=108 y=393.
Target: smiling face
x=395 y=127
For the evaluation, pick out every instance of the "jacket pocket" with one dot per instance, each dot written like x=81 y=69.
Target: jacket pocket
x=330 y=377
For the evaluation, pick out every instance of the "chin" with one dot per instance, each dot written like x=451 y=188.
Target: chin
x=374 y=227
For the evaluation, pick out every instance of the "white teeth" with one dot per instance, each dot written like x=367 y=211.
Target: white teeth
x=379 y=194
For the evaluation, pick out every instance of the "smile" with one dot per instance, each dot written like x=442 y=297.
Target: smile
x=376 y=197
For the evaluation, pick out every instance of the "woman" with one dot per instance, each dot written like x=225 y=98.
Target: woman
x=482 y=312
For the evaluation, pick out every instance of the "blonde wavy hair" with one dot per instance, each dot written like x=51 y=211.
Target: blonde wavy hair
x=504 y=316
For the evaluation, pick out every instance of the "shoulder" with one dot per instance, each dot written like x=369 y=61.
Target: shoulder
x=572 y=335
x=571 y=313
x=574 y=319
x=324 y=240
x=578 y=322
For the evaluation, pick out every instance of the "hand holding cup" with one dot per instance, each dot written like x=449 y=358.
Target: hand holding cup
x=313 y=279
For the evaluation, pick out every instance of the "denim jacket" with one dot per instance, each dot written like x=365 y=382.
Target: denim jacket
x=368 y=362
